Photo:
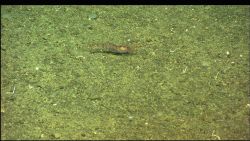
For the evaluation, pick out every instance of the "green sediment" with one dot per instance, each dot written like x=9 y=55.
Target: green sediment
x=189 y=77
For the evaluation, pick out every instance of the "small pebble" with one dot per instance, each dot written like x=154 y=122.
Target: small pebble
x=30 y=87
x=42 y=136
x=83 y=134
x=130 y=117
x=205 y=63
x=248 y=105
x=57 y=135
x=37 y=68
x=92 y=16
x=227 y=53
x=89 y=27
x=138 y=68
x=2 y=110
